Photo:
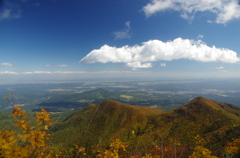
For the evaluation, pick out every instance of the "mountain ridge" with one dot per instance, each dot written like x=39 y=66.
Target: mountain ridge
x=107 y=120
x=110 y=119
x=208 y=104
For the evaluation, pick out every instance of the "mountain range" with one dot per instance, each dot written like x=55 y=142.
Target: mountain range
x=200 y=121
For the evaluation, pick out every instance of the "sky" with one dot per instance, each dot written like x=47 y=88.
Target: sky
x=48 y=40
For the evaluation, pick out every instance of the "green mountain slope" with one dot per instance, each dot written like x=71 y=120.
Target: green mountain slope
x=141 y=127
x=102 y=122
x=203 y=111
x=201 y=117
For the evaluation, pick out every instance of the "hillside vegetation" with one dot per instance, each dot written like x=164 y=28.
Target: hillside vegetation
x=103 y=122
x=200 y=128
x=201 y=122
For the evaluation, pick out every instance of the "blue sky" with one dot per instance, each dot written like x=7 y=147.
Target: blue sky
x=43 y=40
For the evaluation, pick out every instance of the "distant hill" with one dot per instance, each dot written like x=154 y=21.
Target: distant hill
x=80 y=99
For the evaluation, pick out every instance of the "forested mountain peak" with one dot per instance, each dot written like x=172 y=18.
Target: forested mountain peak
x=204 y=105
x=109 y=119
x=111 y=105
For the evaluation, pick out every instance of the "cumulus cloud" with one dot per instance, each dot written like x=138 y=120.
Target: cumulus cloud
x=125 y=33
x=6 y=64
x=63 y=65
x=163 y=64
x=138 y=64
x=219 y=68
x=142 y=56
x=225 y=10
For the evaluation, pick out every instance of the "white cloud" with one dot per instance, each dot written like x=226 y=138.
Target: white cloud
x=6 y=64
x=8 y=72
x=225 y=10
x=36 y=72
x=64 y=72
x=200 y=36
x=137 y=64
x=163 y=64
x=219 y=68
x=155 y=50
x=53 y=76
x=63 y=65
x=125 y=33
x=209 y=21
x=48 y=65
x=11 y=11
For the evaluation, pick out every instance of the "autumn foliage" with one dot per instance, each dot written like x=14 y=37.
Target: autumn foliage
x=31 y=141
x=140 y=142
